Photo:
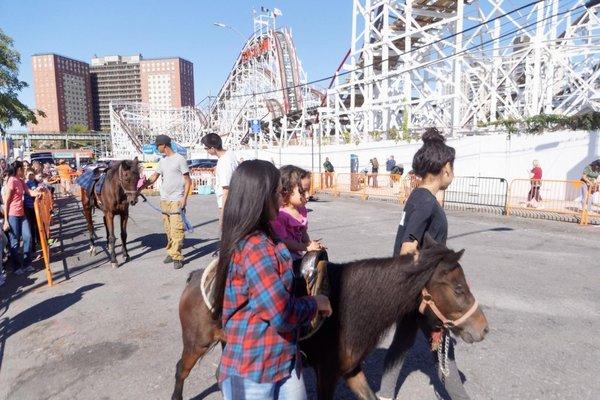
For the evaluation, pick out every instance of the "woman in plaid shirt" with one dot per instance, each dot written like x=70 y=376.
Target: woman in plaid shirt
x=259 y=314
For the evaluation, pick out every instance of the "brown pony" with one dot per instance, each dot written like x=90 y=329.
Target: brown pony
x=118 y=192
x=367 y=298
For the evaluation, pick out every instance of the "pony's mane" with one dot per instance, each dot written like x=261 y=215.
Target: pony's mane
x=372 y=294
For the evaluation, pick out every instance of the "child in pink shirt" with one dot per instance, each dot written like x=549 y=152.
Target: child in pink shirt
x=291 y=225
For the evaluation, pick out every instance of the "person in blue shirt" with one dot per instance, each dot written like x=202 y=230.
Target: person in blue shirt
x=390 y=164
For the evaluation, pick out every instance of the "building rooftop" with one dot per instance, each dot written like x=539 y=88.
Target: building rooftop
x=58 y=55
x=166 y=58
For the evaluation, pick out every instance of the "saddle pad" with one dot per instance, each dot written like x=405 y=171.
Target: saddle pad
x=207 y=283
x=86 y=180
x=100 y=183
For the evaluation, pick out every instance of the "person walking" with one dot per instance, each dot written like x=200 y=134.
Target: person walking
x=591 y=184
x=434 y=163
x=328 y=174
x=390 y=164
x=174 y=191
x=226 y=164
x=16 y=223
x=64 y=173
x=374 y=171
x=535 y=177
x=254 y=296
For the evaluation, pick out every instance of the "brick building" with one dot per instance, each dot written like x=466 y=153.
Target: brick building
x=114 y=78
x=63 y=91
x=167 y=82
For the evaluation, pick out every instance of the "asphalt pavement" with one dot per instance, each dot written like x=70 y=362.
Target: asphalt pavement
x=108 y=333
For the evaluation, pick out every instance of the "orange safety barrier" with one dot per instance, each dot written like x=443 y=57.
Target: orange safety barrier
x=385 y=186
x=43 y=214
x=551 y=196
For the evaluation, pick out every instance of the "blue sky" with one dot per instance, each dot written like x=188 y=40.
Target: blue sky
x=82 y=29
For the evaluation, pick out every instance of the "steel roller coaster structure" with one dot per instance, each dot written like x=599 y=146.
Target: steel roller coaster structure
x=454 y=64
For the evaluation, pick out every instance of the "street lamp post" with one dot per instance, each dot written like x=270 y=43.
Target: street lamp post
x=222 y=25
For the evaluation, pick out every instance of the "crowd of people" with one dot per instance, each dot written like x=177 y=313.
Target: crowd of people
x=21 y=183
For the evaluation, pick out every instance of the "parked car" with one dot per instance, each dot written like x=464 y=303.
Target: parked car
x=42 y=157
x=202 y=163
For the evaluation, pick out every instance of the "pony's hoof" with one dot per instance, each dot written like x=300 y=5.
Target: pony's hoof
x=114 y=265
x=92 y=251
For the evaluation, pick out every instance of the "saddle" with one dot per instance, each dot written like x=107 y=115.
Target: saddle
x=310 y=278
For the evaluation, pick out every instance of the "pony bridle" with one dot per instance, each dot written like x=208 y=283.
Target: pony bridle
x=427 y=301
x=121 y=184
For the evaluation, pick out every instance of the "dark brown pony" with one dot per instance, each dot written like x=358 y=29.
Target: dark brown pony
x=119 y=191
x=367 y=298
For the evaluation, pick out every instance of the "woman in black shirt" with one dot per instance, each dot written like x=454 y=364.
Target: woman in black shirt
x=434 y=163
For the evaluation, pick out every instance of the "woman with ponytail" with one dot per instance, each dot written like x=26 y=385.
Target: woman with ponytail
x=434 y=164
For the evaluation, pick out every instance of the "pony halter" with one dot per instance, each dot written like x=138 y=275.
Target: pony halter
x=123 y=187
x=427 y=301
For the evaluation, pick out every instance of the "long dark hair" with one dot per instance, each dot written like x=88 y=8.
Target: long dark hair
x=14 y=167
x=433 y=155
x=251 y=199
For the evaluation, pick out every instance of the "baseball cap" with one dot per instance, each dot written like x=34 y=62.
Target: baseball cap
x=162 y=139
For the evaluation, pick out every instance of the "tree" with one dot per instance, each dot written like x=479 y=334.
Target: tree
x=78 y=128
x=11 y=109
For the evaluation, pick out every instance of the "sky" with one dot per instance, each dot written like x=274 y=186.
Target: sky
x=158 y=28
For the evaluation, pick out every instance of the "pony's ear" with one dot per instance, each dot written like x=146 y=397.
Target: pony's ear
x=453 y=257
x=428 y=241
x=135 y=161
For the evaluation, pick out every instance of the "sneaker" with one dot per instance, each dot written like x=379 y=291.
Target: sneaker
x=168 y=260
x=37 y=257
x=177 y=264
x=29 y=269
x=51 y=242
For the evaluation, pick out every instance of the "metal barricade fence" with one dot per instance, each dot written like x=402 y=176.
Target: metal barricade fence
x=349 y=184
x=548 y=198
x=591 y=205
x=203 y=180
x=477 y=193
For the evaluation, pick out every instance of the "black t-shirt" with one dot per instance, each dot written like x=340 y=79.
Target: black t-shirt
x=422 y=213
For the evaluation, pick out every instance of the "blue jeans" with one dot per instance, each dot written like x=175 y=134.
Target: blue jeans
x=238 y=388
x=19 y=229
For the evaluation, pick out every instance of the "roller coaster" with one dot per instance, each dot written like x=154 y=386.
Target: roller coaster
x=455 y=64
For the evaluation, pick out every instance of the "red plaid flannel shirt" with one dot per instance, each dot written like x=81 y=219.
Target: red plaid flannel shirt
x=260 y=314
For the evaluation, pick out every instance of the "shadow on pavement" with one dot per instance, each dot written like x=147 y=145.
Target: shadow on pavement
x=39 y=312
x=212 y=389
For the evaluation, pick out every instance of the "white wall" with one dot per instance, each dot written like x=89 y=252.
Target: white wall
x=562 y=155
